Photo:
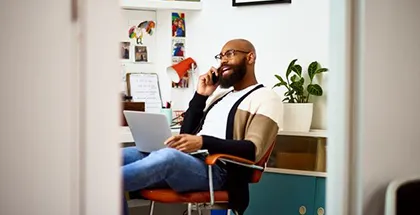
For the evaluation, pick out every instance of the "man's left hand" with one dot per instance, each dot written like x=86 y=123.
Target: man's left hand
x=185 y=142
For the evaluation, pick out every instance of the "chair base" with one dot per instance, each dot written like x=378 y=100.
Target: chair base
x=199 y=207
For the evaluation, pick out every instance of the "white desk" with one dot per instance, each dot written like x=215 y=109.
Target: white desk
x=126 y=137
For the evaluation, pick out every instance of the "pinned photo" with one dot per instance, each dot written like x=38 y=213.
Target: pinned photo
x=183 y=83
x=176 y=60
x=178 y=47
x=125 y=50
x=178 y=24
x=140 y=54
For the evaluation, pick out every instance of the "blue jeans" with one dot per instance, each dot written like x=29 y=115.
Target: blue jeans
x=167 y=168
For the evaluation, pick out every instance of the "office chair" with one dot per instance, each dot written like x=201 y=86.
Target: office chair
x=207 y=199
x=403 y=196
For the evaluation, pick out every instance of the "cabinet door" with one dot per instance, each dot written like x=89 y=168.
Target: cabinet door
x=320 y=196
x=282 y=194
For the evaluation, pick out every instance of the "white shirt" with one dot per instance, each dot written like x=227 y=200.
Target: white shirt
x=216 y=119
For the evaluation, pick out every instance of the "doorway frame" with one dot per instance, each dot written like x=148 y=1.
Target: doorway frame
x=346 y=57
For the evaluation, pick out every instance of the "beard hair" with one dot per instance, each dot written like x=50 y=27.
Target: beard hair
x=238 y=73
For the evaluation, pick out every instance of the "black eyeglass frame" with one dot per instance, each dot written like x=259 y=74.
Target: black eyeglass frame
x=232 y=53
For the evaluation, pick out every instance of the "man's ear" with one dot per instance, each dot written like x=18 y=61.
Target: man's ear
x=251 y=58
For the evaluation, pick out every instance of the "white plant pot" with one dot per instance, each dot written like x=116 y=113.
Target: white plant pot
x=297 y=117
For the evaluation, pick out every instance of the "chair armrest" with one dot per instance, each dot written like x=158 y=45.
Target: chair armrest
x=211 y=160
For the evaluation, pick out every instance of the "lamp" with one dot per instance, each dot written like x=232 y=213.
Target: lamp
x=177 y=71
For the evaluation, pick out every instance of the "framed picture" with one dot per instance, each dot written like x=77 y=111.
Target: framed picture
x=257 y=2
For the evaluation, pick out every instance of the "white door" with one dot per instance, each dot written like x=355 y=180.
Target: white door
x=59 y=107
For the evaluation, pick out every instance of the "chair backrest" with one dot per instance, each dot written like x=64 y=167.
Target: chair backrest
x=403 y=196
x=256 y=175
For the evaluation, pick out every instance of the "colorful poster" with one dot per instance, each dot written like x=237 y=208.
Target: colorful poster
x=178 y=46
x=137 y=31
x=178 y=24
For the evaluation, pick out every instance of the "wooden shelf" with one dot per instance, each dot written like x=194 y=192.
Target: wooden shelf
x=160 y=5
x=295 y=172
x=311 y=133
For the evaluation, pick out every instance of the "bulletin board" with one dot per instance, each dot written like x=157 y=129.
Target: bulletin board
x=138 y=36
x=137 y=41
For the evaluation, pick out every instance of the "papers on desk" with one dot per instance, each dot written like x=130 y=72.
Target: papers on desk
x=144 y=87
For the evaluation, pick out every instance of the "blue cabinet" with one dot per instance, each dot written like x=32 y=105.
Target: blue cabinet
x=320 y=196
x=287 y=194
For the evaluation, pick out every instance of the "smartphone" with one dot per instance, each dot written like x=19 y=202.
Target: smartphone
x=214 y=78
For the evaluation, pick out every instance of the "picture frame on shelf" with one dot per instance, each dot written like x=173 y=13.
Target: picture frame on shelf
x=236 y=3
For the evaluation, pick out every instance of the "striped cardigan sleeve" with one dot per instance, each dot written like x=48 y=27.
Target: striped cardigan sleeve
x=262 y=116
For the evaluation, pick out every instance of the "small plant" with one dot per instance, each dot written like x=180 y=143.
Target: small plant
x=295 y=90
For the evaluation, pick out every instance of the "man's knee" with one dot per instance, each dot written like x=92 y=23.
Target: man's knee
x=129 y=155
x=169 y=154
x=171 y=158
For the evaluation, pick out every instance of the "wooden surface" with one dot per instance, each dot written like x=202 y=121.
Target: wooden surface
x=134 y=106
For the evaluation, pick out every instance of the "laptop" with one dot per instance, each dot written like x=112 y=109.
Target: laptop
x=149 y=130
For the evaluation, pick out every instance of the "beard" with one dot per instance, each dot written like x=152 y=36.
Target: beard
x=238 y=73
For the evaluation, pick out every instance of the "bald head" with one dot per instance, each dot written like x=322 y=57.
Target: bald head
x=240 y=44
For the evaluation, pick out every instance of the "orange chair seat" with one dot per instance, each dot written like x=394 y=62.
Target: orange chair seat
x=170 y=196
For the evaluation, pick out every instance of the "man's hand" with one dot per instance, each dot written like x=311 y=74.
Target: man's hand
x=205 y=84
x=185 y=142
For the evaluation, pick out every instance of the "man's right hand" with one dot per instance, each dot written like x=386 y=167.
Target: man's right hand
x=205 y=84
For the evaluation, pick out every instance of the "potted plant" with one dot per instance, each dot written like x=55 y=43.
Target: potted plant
x=297 y=111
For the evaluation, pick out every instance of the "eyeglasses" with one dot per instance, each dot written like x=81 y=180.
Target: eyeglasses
x=229 y=54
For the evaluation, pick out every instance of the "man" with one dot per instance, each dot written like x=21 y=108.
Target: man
x=240 y=122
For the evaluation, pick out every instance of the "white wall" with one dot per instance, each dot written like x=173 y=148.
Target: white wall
x=387 y=97
x=280 y=33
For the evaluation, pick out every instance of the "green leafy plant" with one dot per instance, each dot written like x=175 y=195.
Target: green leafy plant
x=295 y=81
